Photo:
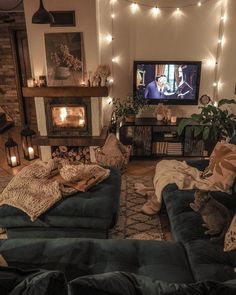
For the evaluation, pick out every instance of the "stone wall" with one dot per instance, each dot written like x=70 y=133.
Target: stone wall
x=8 y=92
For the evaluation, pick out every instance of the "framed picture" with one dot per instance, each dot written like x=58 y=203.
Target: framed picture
x=63 y=18
x=65 y=59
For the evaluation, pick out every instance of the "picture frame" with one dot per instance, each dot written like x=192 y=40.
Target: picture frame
x=63 y=18
x=65 y=58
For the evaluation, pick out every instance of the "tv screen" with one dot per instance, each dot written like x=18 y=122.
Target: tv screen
x=171 y=82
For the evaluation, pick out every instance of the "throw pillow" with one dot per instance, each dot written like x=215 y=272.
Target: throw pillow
x=222 y=166
x=113 y=153
x=230 y=236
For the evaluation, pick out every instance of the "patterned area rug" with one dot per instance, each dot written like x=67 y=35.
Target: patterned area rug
x=132 y=223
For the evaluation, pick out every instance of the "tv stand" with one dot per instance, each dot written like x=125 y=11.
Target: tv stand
x=152 y=138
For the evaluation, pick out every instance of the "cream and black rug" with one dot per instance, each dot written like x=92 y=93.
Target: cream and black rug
x=132 y=223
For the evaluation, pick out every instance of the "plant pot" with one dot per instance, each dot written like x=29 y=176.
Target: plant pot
x=62 y=73
x=130 y=118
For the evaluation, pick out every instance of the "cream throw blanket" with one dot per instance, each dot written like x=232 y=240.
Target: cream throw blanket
x=33 y=190
x=178 y=172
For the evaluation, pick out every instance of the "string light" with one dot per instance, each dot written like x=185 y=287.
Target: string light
x=115 y=59
x=215 y=84
x=155 y=11
x=109 y=38
x=199 y=3
x=134 y=7
x=112 y=15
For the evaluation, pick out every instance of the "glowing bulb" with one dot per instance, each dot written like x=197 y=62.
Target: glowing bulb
x=215 y=84
x=223 y=18
x=216 y=104
x=111 y=80
x=155 y=11
x=109 y=100
x=112 y=15
x=220 y=41
x=113 y=1
x=115 y=59
x=177 y=9
x=134 y=7
x=211 y=62
x=199 y=3
x=109 y=38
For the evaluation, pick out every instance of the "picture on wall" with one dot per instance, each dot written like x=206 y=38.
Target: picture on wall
x=65 y=59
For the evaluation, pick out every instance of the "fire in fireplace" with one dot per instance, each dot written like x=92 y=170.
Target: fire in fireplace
x=68 y=116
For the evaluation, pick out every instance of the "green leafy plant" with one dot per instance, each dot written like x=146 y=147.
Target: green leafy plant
x=212 y=123
x=129 y=106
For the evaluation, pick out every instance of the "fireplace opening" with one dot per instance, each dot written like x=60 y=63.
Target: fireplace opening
x=68 y=116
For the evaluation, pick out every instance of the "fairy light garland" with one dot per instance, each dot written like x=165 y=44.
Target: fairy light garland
x=219 y=50
x=155 y=9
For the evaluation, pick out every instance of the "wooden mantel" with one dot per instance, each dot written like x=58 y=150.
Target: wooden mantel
x=72 y=141
x=65 y=91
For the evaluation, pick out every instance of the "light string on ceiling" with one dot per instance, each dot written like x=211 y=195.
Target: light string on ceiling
x=136 y=4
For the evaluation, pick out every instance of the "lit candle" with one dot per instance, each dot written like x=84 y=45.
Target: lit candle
x=81 y=122
x=30 y=82
x=173 y=119
x=13 y=161
x=31 y=153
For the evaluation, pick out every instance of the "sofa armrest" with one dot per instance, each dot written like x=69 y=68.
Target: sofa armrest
x=199 y=164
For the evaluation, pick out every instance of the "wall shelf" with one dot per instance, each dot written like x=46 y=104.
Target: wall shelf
x=65 y=91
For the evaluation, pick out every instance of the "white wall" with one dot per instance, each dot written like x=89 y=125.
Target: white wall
x=193 y=35
x=85 y=22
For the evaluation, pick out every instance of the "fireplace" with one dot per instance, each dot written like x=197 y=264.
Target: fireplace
x=68 y=116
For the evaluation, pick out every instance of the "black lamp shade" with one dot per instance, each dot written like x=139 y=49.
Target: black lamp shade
x=12 y=153
x=42 y=16
x=30 y=150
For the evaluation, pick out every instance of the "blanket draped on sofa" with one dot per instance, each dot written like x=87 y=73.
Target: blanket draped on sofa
x=34 y=190
x=179 y=173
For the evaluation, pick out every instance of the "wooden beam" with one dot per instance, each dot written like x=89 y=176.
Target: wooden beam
x=72 y=141
x=68 y=91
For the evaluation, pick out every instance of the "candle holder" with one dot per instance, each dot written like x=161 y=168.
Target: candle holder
x=12 y=153
x=30 y=150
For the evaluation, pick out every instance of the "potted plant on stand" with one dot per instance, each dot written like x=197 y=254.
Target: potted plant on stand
x=129 y=107
x=213 y=124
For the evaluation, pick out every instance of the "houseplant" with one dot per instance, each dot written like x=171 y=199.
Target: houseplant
x=64 y=62
x=212 y=124
x=128 y=107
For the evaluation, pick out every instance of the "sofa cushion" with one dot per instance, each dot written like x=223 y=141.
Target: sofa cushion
x=230 y=236
x=119 y=283
x=94 y=208
x=208 y=261
x=79 y=257
x=40 y=282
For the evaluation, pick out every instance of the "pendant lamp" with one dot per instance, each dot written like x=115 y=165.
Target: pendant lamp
x=42 y=16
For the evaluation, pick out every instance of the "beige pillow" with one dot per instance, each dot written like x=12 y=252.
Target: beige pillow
x=230 y=236
x=113 y=153
x=222 y=166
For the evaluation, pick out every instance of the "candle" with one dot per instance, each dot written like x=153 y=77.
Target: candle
x=31 y=153
x=173 y=119
x=13 y=161
x=30 y=82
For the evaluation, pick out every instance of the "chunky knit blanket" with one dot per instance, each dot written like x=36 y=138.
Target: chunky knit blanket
x=34 y=190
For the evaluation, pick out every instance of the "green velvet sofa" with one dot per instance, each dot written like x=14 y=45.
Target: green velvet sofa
x=189 y=265
x=90 y=214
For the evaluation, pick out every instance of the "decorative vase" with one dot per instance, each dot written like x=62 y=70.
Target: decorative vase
x=62 y=73
x=130 y=118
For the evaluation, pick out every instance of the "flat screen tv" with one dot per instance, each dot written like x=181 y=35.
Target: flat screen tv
x=169 y=82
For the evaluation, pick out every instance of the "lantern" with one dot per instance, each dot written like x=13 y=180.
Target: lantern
x=12 y=153
x=30 y=150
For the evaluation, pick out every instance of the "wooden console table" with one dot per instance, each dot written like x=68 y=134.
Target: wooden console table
x=152 y=138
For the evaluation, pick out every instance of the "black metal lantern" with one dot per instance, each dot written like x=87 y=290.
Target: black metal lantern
x=30 y=150
x=12 y=153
